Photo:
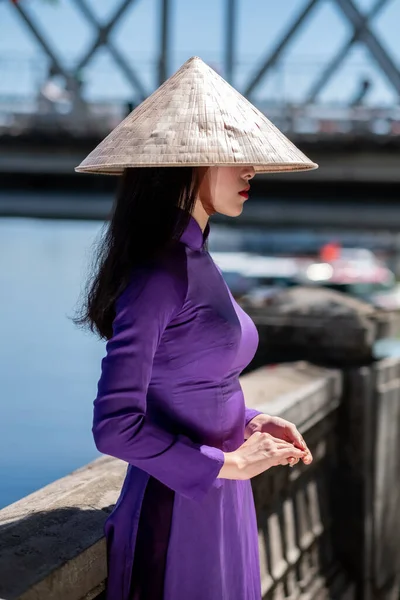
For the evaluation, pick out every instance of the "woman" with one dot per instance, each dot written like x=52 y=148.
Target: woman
x=169 y=399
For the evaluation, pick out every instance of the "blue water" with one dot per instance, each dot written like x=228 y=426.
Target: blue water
x=48 y=367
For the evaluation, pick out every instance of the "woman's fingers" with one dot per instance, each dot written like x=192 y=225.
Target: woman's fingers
x=299 y=441
x=308 y=458
x=296 y=437
x=290 y=452
x=284 y=444
x=286 y=451
x=289 y=461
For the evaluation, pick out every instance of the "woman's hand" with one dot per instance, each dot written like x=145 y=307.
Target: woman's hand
x=259 y=453
x=281 y=429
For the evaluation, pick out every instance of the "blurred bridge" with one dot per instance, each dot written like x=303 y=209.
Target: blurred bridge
x=46 y=129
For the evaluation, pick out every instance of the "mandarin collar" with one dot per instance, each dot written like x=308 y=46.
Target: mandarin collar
x=193 y=236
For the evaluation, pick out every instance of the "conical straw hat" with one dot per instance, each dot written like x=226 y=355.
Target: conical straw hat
x=195 y=118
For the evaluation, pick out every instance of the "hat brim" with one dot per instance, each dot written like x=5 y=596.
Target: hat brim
x=270 y=168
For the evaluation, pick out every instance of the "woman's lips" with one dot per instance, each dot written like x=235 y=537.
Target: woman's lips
x=244 y=194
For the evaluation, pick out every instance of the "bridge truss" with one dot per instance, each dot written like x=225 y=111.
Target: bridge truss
x=302 y=117
x=362 y=32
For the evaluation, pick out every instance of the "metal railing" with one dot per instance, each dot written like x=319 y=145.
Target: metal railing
x=31 y=100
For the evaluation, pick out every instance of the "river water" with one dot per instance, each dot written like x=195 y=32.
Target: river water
x=48 y=367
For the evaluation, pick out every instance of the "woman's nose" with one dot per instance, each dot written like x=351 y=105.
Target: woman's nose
x=249 y=173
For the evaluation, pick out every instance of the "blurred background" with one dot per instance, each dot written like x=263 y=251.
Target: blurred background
x=326 y=72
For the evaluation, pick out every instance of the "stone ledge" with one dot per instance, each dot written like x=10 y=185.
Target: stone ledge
x=51 y=542
x=299 y=392
x=319 y=325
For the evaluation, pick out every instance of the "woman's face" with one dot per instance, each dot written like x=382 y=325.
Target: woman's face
x=224 y=189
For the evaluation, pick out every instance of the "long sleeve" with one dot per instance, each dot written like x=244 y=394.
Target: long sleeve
x=121 y=427
x=250 y=413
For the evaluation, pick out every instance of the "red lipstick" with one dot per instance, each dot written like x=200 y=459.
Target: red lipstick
x=245 y=192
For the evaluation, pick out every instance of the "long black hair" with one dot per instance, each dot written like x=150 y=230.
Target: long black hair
x=144 y=222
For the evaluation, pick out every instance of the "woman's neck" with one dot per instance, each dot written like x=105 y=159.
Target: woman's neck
x=200 y=215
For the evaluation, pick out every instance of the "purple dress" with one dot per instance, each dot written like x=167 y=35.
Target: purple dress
x=170 y=403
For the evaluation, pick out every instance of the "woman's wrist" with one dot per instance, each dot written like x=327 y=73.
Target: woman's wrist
x=230 y=469
x=254 y=425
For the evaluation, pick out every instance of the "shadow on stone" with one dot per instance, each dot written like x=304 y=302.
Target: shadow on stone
x=39 y=549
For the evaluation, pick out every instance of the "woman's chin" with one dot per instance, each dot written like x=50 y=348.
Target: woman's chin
x=232 y=211
x=238 y=211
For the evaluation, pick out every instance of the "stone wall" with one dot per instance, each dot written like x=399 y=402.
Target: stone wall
x=52 y=545
x=336 y=331
x=294 y=510
x=321 y=326
x=51 y=542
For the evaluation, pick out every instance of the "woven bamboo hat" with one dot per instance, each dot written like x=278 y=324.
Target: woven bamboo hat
x=195 y=118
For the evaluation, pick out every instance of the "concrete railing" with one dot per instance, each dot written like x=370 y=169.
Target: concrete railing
x=294 y=514
x=51 y=542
